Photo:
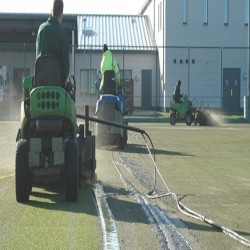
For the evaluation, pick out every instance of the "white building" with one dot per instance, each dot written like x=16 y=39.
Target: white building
x=204 y=44
x=129 y=37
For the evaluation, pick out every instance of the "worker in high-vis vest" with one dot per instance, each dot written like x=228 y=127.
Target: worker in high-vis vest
x=110 y=73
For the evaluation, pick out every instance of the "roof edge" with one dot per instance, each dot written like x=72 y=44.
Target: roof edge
x=21 y=15
x=144 y=7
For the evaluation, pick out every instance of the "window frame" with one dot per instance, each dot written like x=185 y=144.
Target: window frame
x=87 y=86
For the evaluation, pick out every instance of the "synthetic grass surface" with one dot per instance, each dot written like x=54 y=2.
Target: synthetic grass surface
x=209 y=170
x=46 y=221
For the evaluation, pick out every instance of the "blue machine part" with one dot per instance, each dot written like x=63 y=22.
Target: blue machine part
x=118 y=99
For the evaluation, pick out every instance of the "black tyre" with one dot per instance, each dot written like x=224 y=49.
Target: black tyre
x=71 y=173
x=188 y=118
x=172 y=118
x=22 y=171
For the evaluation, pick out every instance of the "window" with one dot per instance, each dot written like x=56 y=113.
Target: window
x=226 y=12
x=246 y=19
x=126 y=74
x=184 y=11
x=88 y=78
x=205 y=14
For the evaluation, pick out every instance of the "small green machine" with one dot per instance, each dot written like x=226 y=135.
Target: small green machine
x=50 y=146
x=182 y=111
x=187 y=112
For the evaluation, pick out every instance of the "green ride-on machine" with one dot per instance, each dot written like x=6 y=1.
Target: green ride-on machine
x=189 y=113
x=51 y=147
x=182 y=111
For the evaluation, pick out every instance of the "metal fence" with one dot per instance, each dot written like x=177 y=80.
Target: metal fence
x=215 y=77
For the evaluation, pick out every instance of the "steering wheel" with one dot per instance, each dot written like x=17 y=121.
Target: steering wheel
x=72 y=86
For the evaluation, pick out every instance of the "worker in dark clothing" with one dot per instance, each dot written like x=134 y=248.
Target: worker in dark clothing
x=53 y=40
x=177 y=92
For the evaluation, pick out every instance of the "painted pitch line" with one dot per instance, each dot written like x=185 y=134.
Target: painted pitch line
x=109 y=229
x=168 y=235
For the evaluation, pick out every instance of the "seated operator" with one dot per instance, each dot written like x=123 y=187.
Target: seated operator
x=177 y=92
x=53 y=40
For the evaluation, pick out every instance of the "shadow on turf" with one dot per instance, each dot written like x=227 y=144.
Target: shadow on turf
x=131 y=212
x=122 y=209
x=139 y=149
x=52 y=198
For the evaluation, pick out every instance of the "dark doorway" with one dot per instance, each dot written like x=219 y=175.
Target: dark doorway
x=231 y=90
x=146 y=89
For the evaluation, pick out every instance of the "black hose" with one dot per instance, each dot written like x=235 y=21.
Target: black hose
x=118 y=125
x=180 y=206
x=114 y=124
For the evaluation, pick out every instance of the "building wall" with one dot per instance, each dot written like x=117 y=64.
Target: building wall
x=16 y=60
x=200 y=38
x=155 y=11
x=195 y=43
x=136 y=61
x=223 y=27
x=21 y=60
